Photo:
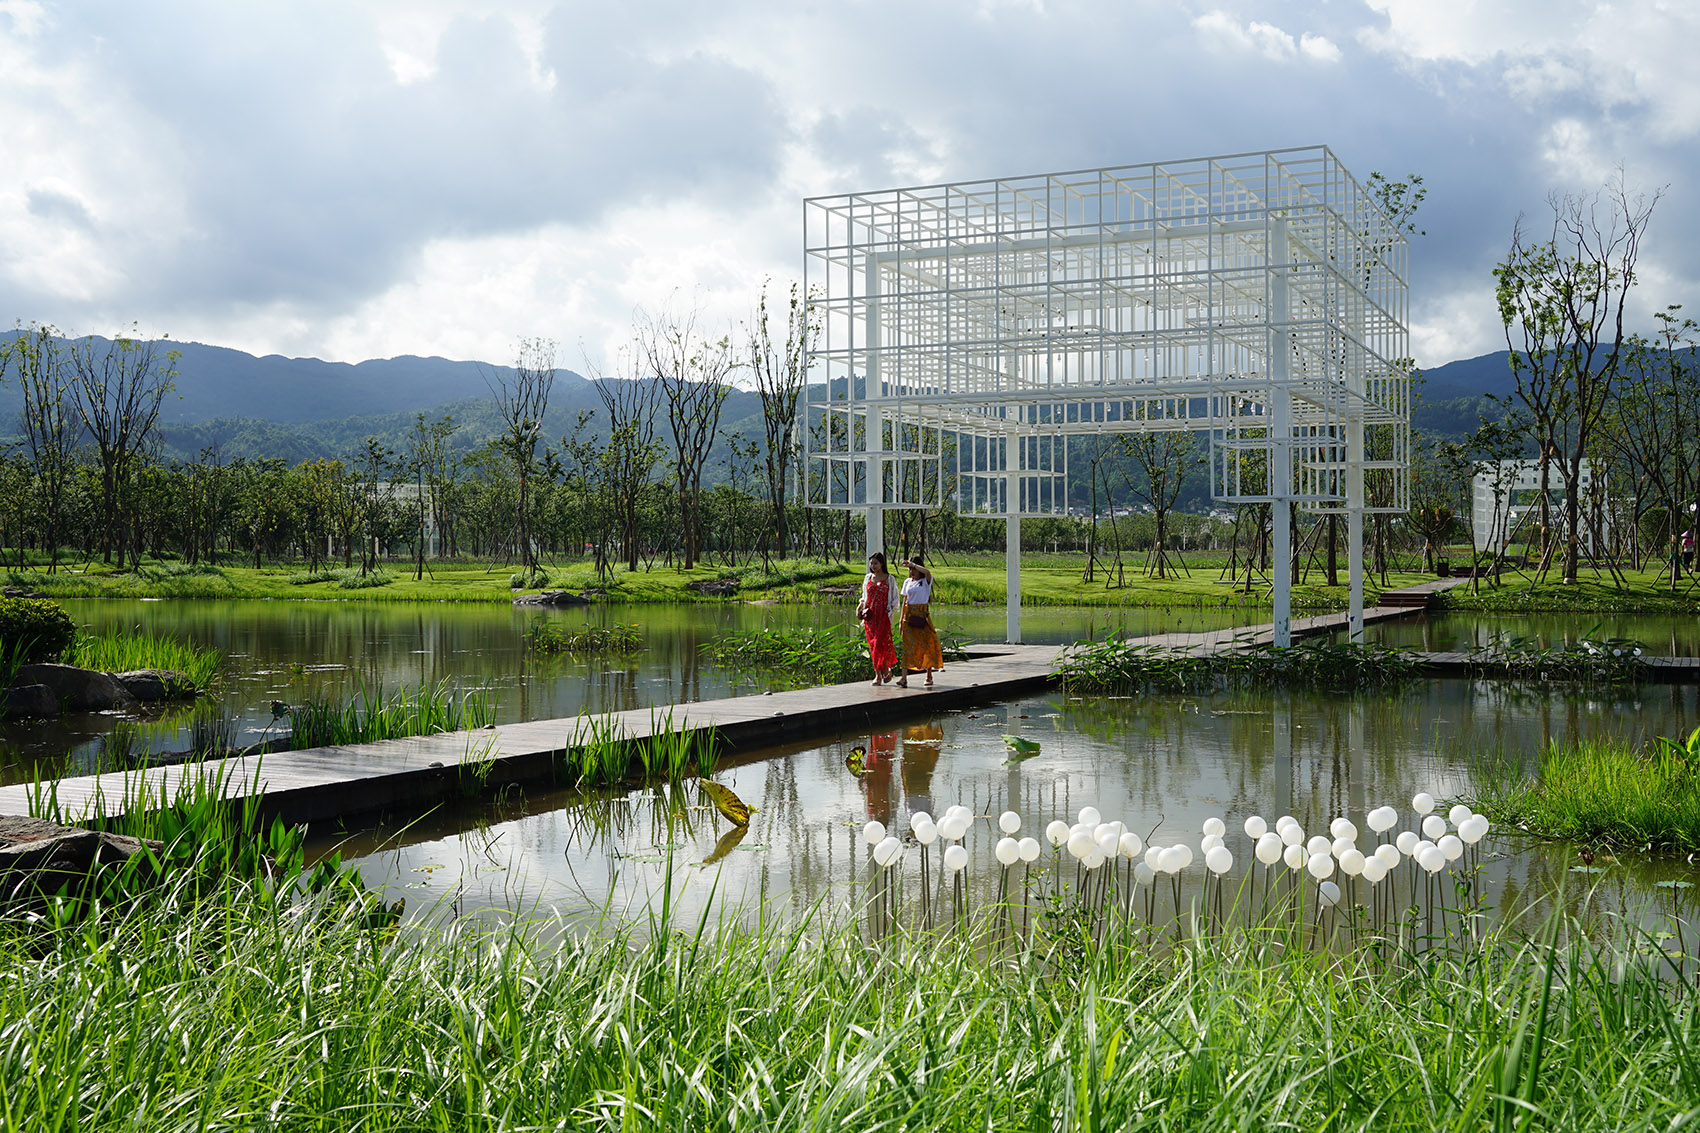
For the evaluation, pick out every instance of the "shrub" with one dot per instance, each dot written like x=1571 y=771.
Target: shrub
x=35 y=629
x=534 y=579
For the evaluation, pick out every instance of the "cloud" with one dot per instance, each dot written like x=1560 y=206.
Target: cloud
x=1223 y=32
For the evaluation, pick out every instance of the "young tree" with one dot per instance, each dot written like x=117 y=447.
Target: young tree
x=117 y=386
x=373 y=463
x=522 y=399
x=781 y=371
x=1163 y=460
x=624 y=467
x=1561 y=303
x=692 y=371
x=427 y=453
x=37 y=360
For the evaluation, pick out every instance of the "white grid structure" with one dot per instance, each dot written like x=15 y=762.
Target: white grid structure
x=970 y=329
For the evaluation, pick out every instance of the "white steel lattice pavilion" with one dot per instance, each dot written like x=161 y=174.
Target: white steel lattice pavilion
x=970 y=330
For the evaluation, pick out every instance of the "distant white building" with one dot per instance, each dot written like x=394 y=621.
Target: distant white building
x=1505 y=497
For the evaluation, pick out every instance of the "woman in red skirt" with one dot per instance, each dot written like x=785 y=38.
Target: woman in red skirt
x=879 y=594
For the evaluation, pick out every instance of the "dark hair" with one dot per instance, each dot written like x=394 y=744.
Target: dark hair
x=880 y=555
x=916 y=559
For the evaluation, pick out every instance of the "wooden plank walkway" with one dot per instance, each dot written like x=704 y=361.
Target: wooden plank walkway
x=321 y=784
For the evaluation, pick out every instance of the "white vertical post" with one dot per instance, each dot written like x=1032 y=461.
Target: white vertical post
x=1355 y=524
x=1012 y=568
x=873 y=388
x=1280 y=436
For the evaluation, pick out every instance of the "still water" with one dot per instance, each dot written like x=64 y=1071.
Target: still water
x=299 y=651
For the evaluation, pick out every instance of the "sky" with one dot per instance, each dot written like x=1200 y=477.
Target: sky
x=353 y=179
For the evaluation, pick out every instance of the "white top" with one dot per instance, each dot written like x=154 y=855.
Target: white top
x=918 y=592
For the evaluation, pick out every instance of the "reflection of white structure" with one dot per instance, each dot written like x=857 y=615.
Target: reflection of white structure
x=1506 y=494
x=971 y=329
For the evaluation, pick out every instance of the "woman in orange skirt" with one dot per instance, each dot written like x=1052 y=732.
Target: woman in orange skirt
x=921 y=652
x=879 y=590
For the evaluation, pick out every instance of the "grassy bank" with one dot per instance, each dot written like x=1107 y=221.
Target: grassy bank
x=1641 y=592
x=1047 y=580
x=1600 y=792
x=118 y=652
x=227 y=1010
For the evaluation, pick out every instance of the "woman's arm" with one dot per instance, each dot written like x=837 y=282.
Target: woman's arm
x=925 y=573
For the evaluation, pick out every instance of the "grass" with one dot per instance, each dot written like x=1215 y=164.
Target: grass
x=830 y=655
x=235 y=1009
x=121 y=651
x=370 y=715
x=1643 y=591
x=600 y=754
x=1115 y=666
x=1601 y=792
x=547 y=637
x=346 y=578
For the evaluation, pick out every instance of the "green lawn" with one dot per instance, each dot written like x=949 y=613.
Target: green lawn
x=1047 y=580
x=1642 y=591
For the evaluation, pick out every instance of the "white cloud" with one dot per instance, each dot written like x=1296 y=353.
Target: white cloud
x=1224 y=32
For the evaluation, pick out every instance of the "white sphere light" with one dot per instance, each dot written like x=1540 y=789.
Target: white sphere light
x=1269 y=848
x=1089 y=816
x=1343 y=828
x=1219 y=860
x=952 y=828
x=1374 y=870
x=1129 y=845
x=1320 y=866
x=1284 y=821
x=1094 y=858
x=1080 y=844
x=1452 y=846
x=1009 y=822
x=1185 y=853
x=1292 y=834
x=955 y=858
x=1255 y=827
x=1029 y=849
x=1144 y=874
x=1108 y=841
x=1388 y=855
x=1319 y=845
x=1340 y=846
x=1154 y=858
x=1457 y=814
x=1352 y=862
x=1470 y=831
x=1215 y=827
x=926 y=833
x=1007 y=851
x=873 y=833
x=1118 y=826
x=961 y=812
x=1209 y=842
x=917 y=819
x=1432 y=859
x=1330 y=893
x=1382 y=819
x=1422 y=802
x=886 y=852
x=1406 y=842
x=1433 y=826
x=1294 y=857
x=1057 y=833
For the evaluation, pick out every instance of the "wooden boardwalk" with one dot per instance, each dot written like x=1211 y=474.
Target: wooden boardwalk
x=325 y=784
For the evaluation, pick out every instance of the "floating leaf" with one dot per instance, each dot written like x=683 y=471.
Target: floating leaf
x=857 y=761
x=1673 y=884
x=1020 y=747
x=727 y=803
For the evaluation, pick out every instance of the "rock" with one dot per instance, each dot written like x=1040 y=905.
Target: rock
x=148 y=685
x=715 y=586
x=839 y=591
x=20 y=592
x=78 y=690
x=37 y=856
x=551 y=598
x=26 y=701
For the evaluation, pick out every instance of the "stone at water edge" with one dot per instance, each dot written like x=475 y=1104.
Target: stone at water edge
x=40 y=856
x=25 y=702
x=551 y=598
x=148 y=685
x=78 y=690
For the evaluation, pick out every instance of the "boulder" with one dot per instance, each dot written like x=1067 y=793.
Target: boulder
x=715 y=586
x=149 y=685
x=37 y=856
x=78 y=690
x=551 y=598
x=26 y=701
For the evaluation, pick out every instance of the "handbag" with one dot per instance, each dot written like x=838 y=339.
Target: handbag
x=917 y=621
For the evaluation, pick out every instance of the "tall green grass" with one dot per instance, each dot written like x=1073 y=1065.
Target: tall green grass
x=119 y=651
x=600 y=753
x=547 y=637
x=370 y=715
x=233 y=1010
x=1600 y=791
x=1116 y=665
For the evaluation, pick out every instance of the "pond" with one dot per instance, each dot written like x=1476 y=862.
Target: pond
x=1161 y=765
x=299 y=651
x=1660 y=635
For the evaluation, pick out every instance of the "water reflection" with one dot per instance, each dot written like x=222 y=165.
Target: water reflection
x=1160 y=764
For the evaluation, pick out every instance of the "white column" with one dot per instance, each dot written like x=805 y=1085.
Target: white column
x=1012 y=568
x=876 y=532
x=1280 y=438
x=1355 y=528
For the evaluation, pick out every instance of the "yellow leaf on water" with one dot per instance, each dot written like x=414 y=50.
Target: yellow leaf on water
x=727 y=803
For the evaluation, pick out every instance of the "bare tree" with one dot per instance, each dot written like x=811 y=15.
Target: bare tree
x=623 y=468
x=692 y=371
x=781 y=371
x=117 y=387
x=1561 y=302
x=1163 y=459
x=522 y=398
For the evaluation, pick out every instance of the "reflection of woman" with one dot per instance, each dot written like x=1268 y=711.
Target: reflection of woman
x=879 y=594
x=921 y=746
x=921 y=652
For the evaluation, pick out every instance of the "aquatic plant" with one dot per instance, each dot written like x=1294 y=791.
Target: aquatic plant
x=1599 y=791
x=422 y=710
x=600 y=752
x=119 y=651
x=1612 y=660
x=547 y=637
x=1116 y=665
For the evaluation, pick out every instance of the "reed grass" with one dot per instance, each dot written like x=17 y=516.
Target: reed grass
x=120 y=651
x=546 y=637
x=600 y=753
x=1116 y=665
x=423 y=710
x=1600 y=791
x=233 y=1009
